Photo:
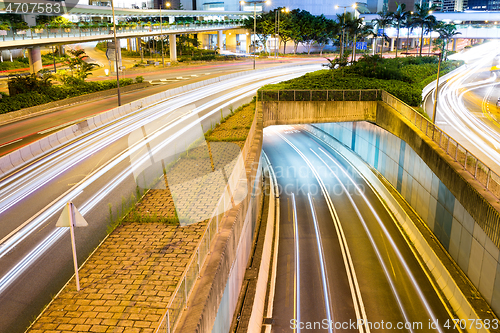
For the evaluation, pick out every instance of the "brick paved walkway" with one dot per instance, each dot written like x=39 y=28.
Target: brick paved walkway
x=126 y=284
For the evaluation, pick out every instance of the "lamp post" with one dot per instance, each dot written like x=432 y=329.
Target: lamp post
x=343 y=27
x=437 y=87
x=277 y=28
x=161 y=34
x=116 y=55
x=267 y=2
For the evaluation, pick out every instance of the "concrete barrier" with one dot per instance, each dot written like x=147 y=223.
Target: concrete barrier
x=26 y=153
x=97 y=121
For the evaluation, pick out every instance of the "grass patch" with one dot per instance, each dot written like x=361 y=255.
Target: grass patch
x=402 y=77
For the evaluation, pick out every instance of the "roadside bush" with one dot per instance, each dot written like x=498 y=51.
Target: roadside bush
x=54 y=93
x=402 y=77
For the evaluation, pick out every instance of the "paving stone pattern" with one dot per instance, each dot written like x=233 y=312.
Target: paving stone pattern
x=127 y=283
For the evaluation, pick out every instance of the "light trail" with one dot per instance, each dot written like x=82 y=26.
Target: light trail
x=478 y=135
x=357 y=299
x=324 y=276
x=22 y=184
x=296 y=280
x=386 y=233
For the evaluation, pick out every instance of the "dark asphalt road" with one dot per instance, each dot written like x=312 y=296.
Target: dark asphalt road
x=368 y=273
x=94 y=172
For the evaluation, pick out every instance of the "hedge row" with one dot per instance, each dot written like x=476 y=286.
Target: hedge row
x=56 y=93
x=403 y=77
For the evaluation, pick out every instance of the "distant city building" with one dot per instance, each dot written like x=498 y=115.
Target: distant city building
x=490 y=5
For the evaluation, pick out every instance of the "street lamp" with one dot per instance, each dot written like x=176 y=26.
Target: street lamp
x=437 y=87
x=267 y=2
x=277 y=29
x=116 y=55
x=161 y=33
x=343 y=27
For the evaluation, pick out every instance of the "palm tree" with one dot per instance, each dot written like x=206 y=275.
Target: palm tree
x=383 y=21
x=446 y=32
x=362 y=31
x=399 y=17
x=409 y=24
x=423 y=18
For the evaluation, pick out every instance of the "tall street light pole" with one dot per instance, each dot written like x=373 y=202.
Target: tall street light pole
x=267 y=2
x=162 y=37
x=343 y=28
x=116 y=55
x=437 y=87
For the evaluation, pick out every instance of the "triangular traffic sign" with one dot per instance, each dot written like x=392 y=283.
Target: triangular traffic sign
x=78 y=219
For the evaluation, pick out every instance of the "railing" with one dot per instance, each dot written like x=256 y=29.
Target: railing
x=179 y=298
x=320 y=95
x=12 y=35
x=469 y=162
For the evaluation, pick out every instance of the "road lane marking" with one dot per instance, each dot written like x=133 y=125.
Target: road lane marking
x=324 y=278
x=287 y=283
x=408 y=241
x=357 y=299
x=296 y=291
x=9 y=143
x=388 y=236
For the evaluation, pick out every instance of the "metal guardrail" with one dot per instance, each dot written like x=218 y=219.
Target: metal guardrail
x=469 y=162
x=179 y=298
x=320 y=95
x=13 y=35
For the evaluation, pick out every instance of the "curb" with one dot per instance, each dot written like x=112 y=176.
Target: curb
x=31 y=152
x=37 y=110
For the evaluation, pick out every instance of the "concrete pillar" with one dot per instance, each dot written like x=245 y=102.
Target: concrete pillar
x=129 y=46
x=454 y=44
x=173 y=47
x=230 y=41
x=392 y=44
x=220 y=40
x=374 y=46
x=248 y=41
x=412 y=42
x=61 y=50
x=171 y=19
x=35 y=59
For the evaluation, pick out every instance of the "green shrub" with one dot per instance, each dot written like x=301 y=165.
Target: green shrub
x=48 y=94
x=402 y=77
x=139 y=79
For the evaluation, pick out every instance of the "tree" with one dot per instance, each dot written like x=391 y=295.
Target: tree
x=399 y=17
x=446 y=32
x=78 y=65
x=423 y=18
x=382 y=22
x=409 y=24
x=362 y=31
x=264 y=27
x=285 y=31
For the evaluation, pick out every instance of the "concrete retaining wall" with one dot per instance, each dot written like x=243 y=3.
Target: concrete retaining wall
x=457 y=208
x=288 y=113
x=367 y=150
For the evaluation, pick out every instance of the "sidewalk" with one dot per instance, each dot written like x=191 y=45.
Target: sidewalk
x=126 y=284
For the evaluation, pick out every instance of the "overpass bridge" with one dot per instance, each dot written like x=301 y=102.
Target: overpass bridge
x=34 y=38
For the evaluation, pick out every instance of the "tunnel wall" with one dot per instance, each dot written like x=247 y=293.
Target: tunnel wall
x=456 y=229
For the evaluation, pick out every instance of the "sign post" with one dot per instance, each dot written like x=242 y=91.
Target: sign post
x=71 y=217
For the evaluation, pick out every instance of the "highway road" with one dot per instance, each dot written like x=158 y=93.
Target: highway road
x=342 y=261
x=22 y=132
x=466 y=107
x=95 y=171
